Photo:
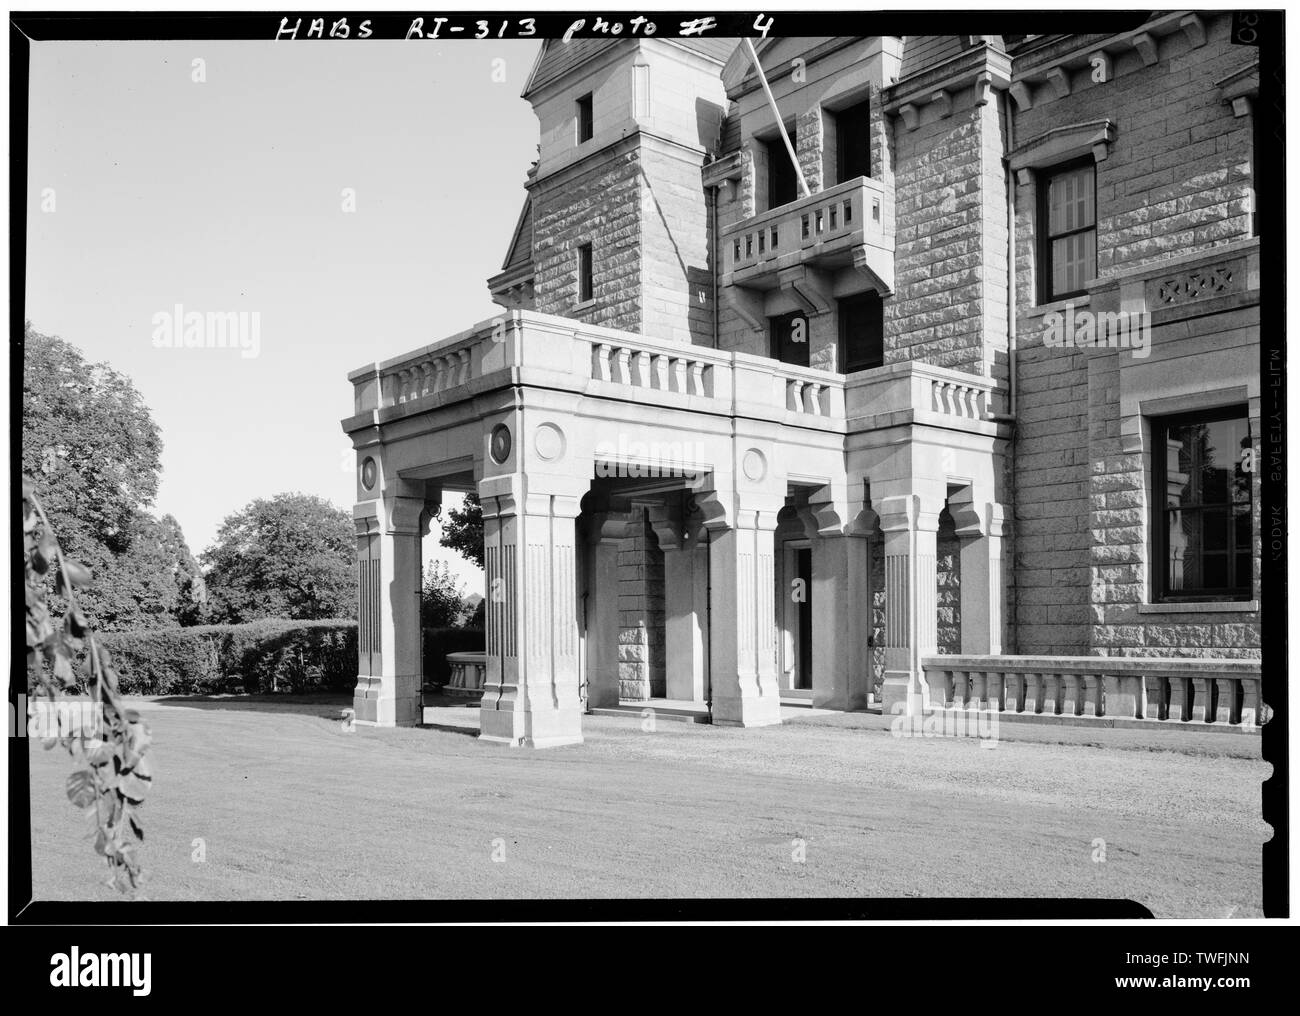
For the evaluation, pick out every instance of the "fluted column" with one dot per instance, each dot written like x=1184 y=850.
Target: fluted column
x=910 y=523
x=531 y=696
x=742 y=636
x=388 y=643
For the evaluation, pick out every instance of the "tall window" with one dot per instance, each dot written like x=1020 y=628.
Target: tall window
x=586 y=287
x=853 y=142
x=788 y=335
x=781 y=186
x=1202 y=476
x=586 y=125
x=1067 y=218
x=862 y=333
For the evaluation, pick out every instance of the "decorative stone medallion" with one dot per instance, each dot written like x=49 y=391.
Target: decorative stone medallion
x=754 y=465
x=548 y=442
x=369 y=473
x=499 y=444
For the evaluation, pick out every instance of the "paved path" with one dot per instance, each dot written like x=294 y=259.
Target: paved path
x=289 y=806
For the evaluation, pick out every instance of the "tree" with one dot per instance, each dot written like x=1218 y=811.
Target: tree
x=462 y=529
x=290 y=556
x=92 y=445
x=442 y=604
x=89 y=441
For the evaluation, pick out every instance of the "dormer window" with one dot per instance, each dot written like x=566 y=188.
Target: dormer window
x=586 y=125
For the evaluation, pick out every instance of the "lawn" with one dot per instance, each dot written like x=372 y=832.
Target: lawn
x=282 y=803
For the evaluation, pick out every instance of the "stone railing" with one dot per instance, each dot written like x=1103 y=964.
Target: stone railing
x=468 y=673
x=634 y=363
x=928 y=394
x=839 y=218
x=1220 y=692
x=526 y=348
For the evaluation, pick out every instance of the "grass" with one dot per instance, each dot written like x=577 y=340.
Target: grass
x=287 y=805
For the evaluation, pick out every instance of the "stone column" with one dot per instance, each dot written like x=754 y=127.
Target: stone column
x=388 y=685
x=683 y=624
x=742 y=636
x=910 y=523
x=841 y=614
x=605 y=535
x=531 y=691
x=980 y=528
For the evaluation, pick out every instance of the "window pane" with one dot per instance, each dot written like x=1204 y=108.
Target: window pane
x=1073 y=261
x=1208 y=512
x=1070 y=201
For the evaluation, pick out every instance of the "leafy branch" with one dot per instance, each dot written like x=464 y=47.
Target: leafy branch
x=113 y=744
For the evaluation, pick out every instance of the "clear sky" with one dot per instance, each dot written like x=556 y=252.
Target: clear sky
x=227 y=195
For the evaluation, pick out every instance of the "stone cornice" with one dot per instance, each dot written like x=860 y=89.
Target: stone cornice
x=940 y=82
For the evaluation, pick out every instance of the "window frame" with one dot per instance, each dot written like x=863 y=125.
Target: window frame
x=774 y=148
x=585 y=118
x=865 y=297
x=774 y=343
x=841 y=117
x=586 y=273
x=1043 y=180
x=1159 y=427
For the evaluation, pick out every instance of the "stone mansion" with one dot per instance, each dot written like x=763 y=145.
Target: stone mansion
x=930 y=382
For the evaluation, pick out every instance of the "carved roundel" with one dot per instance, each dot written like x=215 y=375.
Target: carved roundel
x=548 y=441
x=499 y=445
x=754 y=465
x=369 y=473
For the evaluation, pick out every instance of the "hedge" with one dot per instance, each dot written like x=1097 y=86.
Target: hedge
x=438 y=642
x=261 y=656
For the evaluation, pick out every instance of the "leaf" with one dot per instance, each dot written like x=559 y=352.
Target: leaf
x=78 y=573
x=81 y=789
x=63 y=672
x=136 y=828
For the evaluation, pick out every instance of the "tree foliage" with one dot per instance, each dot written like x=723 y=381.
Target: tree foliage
x=462 y=529
x=289 y=556
x=64 y=656
x=442 y=604
x=91 y=444
x=89 y=441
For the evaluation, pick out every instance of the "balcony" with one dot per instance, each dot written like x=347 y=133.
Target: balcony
x=805 y=247
x=529 y=349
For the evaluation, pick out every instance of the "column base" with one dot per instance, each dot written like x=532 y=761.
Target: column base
x=521 y=729
x=747 y=712
x=383 y=701
x=900 y=693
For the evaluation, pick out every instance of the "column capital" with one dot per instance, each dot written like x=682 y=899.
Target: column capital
x=404 y=515
x=666 y=522
x=910 y=513
x=974 y=518
x=604 y=526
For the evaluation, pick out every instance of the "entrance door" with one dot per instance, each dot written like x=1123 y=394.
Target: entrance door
x=803 y=566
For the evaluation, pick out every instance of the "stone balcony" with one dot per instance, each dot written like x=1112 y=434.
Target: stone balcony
x=802 y=247
x=526 y=349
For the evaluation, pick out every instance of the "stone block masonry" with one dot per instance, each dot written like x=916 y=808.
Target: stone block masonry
x=600 y=204
x=641 y=662
x=949 y=307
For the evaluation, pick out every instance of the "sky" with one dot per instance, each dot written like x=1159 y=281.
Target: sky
x=227 y=194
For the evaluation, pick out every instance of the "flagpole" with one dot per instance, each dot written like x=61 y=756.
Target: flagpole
x=762 y=79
